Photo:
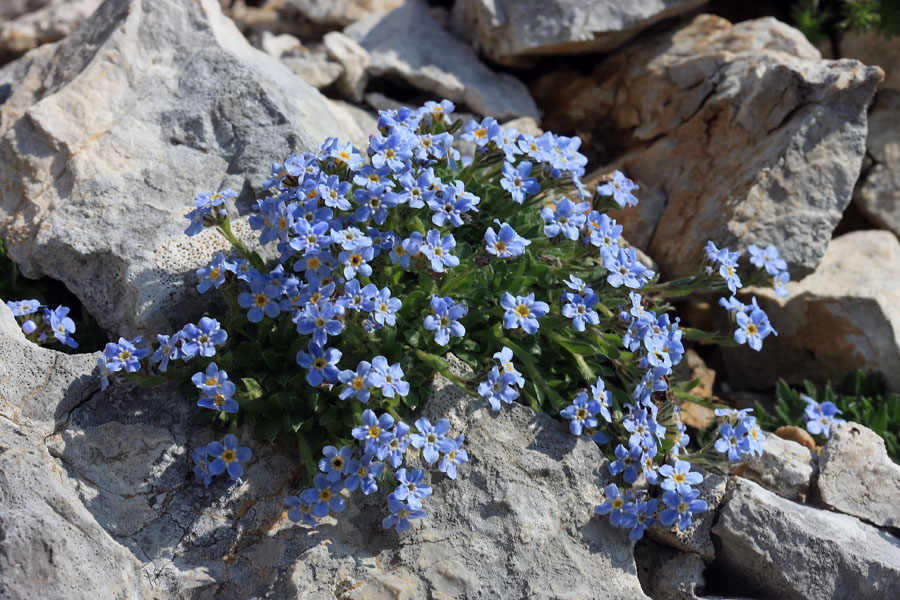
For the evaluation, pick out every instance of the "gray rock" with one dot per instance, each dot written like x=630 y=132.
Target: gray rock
x=354 y=59
x=873 y=48
x=335 y=13
x=786 y=550
x=109 y=137
x=40 y=23
x=50 y=544
x=668 y=574
x=509 y=29
x=857 y=477
x=407 y=43
x=279 y=45
x=843 y=317
x=695 y=539
x=877 y=192
x=785 y=467
x=313 y=68
x=751 y=137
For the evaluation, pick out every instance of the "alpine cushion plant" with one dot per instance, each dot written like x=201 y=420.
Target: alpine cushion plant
x=390 y=258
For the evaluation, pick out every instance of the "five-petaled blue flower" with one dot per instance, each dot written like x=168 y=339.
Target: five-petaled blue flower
x=370 y=432
x=444 y=320
x=411 y=487
x=681 y=508
x=334 y=462
x=401 y=513
x=324 y=497
x=581 y=413
x=517 y=182
x=680 y=477
x=522 y=311
x=430 y=438
x=321 y=362
x=620 y=188
x=228 y=456
x=299 y=511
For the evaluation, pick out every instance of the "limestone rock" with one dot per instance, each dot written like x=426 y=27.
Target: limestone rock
x=695 y=539
x=782 y=549
x=857 y=477
x=843 y=317
x=877 y=193
x=751 y=137
x=335 y=13
x=667 y=574
x=508 y=29
x=785 y=467
x=872 y=48
x=313 y=68
x=40 y=23
x=113 y=131
x=354 y=59
x=407 y=43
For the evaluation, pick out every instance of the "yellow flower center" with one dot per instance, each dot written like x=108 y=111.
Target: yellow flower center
x=374 y=431
x=523 y=311
x=229 y=456
x=260 y=300
x=319 y=363
x=358 y=383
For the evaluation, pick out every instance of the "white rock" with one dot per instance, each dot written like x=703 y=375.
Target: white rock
x=407 y=43
x=857 y=477
x=313 y=68
x=110 y=136
x=877 y=192
x=843 y=317
x=785 y=467
x=781 y=549
x=354 y=59
x=510 y=29
x=42 y=22
x=279 y=45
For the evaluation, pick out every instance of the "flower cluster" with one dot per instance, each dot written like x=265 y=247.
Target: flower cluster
x=739 y=433
x=820 y=416
x=390 y=257
x=217 y=457
x=379 y=457
x=44 y=326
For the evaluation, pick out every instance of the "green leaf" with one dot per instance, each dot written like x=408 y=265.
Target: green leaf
x=252 y=387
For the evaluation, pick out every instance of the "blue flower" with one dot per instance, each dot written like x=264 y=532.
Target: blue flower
x=506 y=244
x=324 y=497
x=21 y=308
x=401 y=513
x=624 y=268
x=124 y=355
x=581 y=413
x=299 y=511
x=453 y=202
x=734 y=440
x=567 y=218
x=383 y=307
x=643 y=517
x=680 y=477
x=321 y=362
x=444 y=320
x=262 y=299
x=728 y=269
x=505 y=356
x=214 y=274
x=620 y=189
x=62 y=326
x=603 y=397
x=362 y=474
x=498 y=387
x=202 y=339
x=357 y=261
x=335 y=462
x=430 y=438
x=580 y=310
x=320 y=322
x=201 y=466
x=372 y=429
x=392 y=377
x=820 y=417
x=628 y=461
x=216 y=388
x=393 y=444
x=681 y=508
x=457 y=456
x=616 y=507
x=481 y=133
x=357 y=384
x=228 y=456
x=752 y=329
x=517 y=182
x=411 y=487
x=767 y=259
x=437 y=250
x=602 y=232
x=522 y=311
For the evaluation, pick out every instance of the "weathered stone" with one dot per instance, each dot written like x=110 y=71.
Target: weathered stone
x=873 y=48
x=696 y=538
x=751 y=137
x=857 y=477
x=782 y=549
x=796 y=434
x=785 y=467
x=314 y=68
x=279 y=45
x=877 y=193
x=50 y=544
x=667 y=574
x=111 y=135
x=336 y=13
x=843 y=317
x=407 y=43
x=354 y=59
x=509 y=29
x=46 y=22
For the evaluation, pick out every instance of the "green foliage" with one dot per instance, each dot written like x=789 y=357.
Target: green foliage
x=820 y=19
x=861 y=398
